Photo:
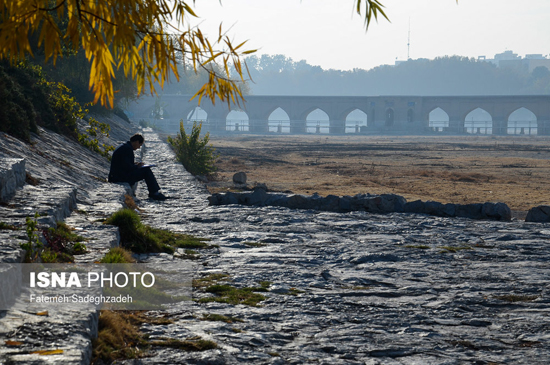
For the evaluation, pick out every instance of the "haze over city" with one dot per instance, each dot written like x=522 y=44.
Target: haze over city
x=331 y=35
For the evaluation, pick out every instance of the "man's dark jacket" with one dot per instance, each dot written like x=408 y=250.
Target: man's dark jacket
x=122 y=164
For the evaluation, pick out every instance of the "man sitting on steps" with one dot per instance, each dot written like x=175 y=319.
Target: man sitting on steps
x=124 y=169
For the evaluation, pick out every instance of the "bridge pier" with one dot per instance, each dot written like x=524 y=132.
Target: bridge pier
x=456 y=125
x=543 y=126
x=337 y=127
x=297 y=126
x=500 y=126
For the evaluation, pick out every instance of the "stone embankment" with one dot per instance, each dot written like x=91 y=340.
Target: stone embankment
x=58 y=180
x=351 y=287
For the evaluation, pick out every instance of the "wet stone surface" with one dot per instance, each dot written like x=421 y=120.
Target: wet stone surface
x=355 y=288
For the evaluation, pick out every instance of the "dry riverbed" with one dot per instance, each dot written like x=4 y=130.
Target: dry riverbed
x=448 y=169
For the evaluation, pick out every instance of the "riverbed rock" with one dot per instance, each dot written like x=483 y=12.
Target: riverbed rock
x=239 y=178
x=540 y=213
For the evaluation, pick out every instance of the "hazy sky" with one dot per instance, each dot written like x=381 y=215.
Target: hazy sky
x=330 y=34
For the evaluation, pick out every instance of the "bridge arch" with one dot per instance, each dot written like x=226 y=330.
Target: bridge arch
x=317 y=121
x=279 y=121
x=478 y=121
x=522 y=121
x=237 y=120
x=355 y=121
x=197 y=114
x=438 y=120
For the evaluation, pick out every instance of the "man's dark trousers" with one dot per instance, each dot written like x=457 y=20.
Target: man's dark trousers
x=144 y=173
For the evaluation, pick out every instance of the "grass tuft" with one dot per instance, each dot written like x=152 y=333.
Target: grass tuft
x=422 y=247
x=454 y=249
x=219 y=318
x=11 y=227
x=117 y=255
x=231 y=295
x=514 y=298
x=141 y=238
x=187 y=345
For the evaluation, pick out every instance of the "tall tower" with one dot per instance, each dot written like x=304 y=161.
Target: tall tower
x=409 y=41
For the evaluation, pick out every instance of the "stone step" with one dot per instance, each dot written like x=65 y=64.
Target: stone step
x=12 y=176
x=67 y=330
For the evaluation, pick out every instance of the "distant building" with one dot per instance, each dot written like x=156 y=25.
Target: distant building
x=511 y=60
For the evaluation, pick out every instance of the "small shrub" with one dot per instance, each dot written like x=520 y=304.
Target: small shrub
x=63 y=242
x=193 y=152
x=48 y=256
x=33 y=246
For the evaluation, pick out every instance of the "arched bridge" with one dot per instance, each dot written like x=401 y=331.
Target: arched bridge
x=355 y=114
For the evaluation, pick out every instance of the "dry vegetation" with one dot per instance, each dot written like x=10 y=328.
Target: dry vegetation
x=469 y=169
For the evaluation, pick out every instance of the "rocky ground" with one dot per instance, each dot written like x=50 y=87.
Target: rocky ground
x=345 y=288
x=356 y=288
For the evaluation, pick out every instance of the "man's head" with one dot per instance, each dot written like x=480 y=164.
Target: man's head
x=136 y=141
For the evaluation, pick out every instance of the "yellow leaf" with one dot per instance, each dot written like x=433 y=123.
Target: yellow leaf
x=13 y=343
x=47 y=352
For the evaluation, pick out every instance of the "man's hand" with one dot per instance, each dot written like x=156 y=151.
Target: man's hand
x=140 y=164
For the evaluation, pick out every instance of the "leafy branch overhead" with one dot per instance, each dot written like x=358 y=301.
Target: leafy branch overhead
x=140 y=36
x=144 y=38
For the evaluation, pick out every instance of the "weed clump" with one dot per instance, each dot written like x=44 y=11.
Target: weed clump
x=62 y=244
x=514 y=298
x=7 y=226
x=141 y=238
x=232 y=295
x=119 y=337
x=117 y=255
x=219 y=318
x=225 y=293
x=187 y=345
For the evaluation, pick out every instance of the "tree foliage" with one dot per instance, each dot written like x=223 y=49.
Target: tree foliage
x=194 y=153
x=135 y=35
x=280 y=75
x=144 y=38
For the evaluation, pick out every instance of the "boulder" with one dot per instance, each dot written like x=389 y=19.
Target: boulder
x=497 y=211
x=239 y=178
x=258 y=197
x=538 y=214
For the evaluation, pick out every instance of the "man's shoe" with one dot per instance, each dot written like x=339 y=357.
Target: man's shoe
x=158 y=196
